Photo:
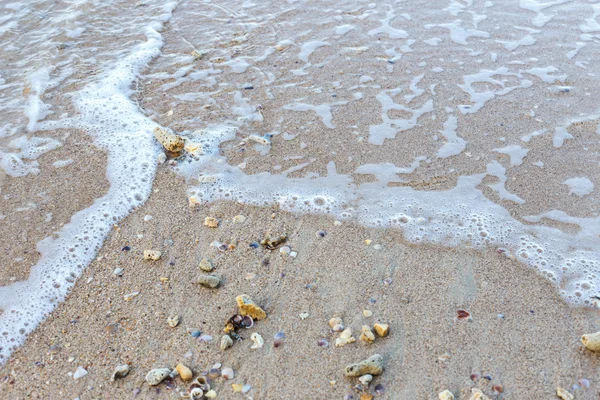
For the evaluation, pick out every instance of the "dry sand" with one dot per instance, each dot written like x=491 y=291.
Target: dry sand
x=531 y=350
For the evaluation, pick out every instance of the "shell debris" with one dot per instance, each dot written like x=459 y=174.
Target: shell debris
x=258 y=341
x=366 y=334
x=564 y=394
x=446 y=395
x=152 y=255
x=173 y=320
x=157 y=375
x=477 y=394
x=591 y=341
x=382 y=329
x=171 y=142
x=345 y=338
x=226 y=342
x=120 y=371
x=210 y=281
x=247 y=307
x=211 y=222
x=372 y=366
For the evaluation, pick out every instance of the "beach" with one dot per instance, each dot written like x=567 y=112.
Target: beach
x=428 y=166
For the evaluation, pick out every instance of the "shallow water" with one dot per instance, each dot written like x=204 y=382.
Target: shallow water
x=465 y=123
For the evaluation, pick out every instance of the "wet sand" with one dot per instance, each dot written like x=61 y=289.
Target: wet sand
x=532 y=349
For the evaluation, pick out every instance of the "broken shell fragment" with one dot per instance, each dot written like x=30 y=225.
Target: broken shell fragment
x=372 y=366
x=477 y=394
x=156 y=376
x=366 y=335
x=153 y=255
x=273 y=243
x=226 y=342
x=591 y=341
x=382 y=329
x=210 y=281
x=206 y=265
x=462 y=314
x=121 y=371
x=227 y=373
x=247 y=307
x=211 y=394
x=366 y=379
x=171 y=142
x=446 y=395
x=564 y=394
x=335 y=321
x=239 y=219
x=345 y=338
x=259 y=342
x=173 y=320
x=214 y=373
x=211 y=222
x=184 y=372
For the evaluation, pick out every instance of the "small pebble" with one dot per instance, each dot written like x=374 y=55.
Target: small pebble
x=156 y=376
x=211 y=222
x=152 y=255
x=239 y=219
x=206 y=265
x=294 y=254
x=564 y=394
x=196 y=334
x=446 y=395
x=227 y=373
x=304 y=315
x=366 y=379
x=210 y=281
x=367 y=313
x=382 y=329
x=118 y=272
x=184 y=372
x=323 y=343
x=258 y=341
x=120 y=371
x=80 y=372
x=378 y=247
x=173 y=320
x=321 y=234
x=380 y=389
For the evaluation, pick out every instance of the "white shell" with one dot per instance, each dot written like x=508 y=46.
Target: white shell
x=227 y=373
x=259 y=342
x=196 y=394
x=156 y=376
x=121 y=371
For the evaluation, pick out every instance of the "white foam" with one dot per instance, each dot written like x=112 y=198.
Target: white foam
x=386 y=28
x=116 y=125
x=322 y=110
x=309 y=47
x=515 y=152
x=580 y=186
x=454 y=145
x=458 y=33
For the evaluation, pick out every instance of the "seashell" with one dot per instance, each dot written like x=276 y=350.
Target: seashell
x=226 y=342
x=366 y=396
x=210 y=281
x=205 y=338
x=173 y=320
x=323 y=343
x=227 y=373
x=172 y=143
x=247 y=322
x=382 y=329
x=372 y=366
x=194 y=201
x=204 y=385
x=346 y=333
x=120 y=371
x=497 y=388
x=211 y=394
x=462 y=314
x=211 y=222
x=321 y=234
x=366 y=335
x=379 y=389
x=279 y=335
x=184 y=372
x=477 y=394
x=156 y=376
x=247 y=307
x=338 y=328
x=272 y=244
x=564 y=394
x=206 y=265
x=367 y=313
x=591 y=341
x=259 y=342
x=246 y=388
x=237 y=387
x=446 y=395
x=335 y=321
x=366 y=379
x=304 y=315
x=214 y=372
x=196 y=393
x=239 y=219
x=152 y=255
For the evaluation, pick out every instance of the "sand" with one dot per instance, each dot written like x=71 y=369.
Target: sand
x=529 y=350
x=522 y=336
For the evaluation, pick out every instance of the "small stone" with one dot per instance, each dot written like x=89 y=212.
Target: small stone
x=196 y=334
x=446 y=395
x=80 y=372
x=382 y=329
x=120 y=371
x=591 y=341
x=564 y=394
x=206 y=265
x=227 y=373
x=211 y=222
x=366 y=335
x=477 y=394
x=237 y=387
x=156 y=376
x=285 y=250
x=246 y=388
x=366 y=379
x=162 y=157
x=152 y=255
x=194 y=201
x=335 y=321
x=337 y=223
x=184 y=372
x=293 y=254
x=173 y=320
x=366 y=396
x=130 y=296
x=210 y=281
x=239 y=219
x=304 y=315
x=368 y=242
x=372 y=366
x=211 y=394
x=118 y=272
x=259 y=342
x=247 y=307
x=367 y=313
